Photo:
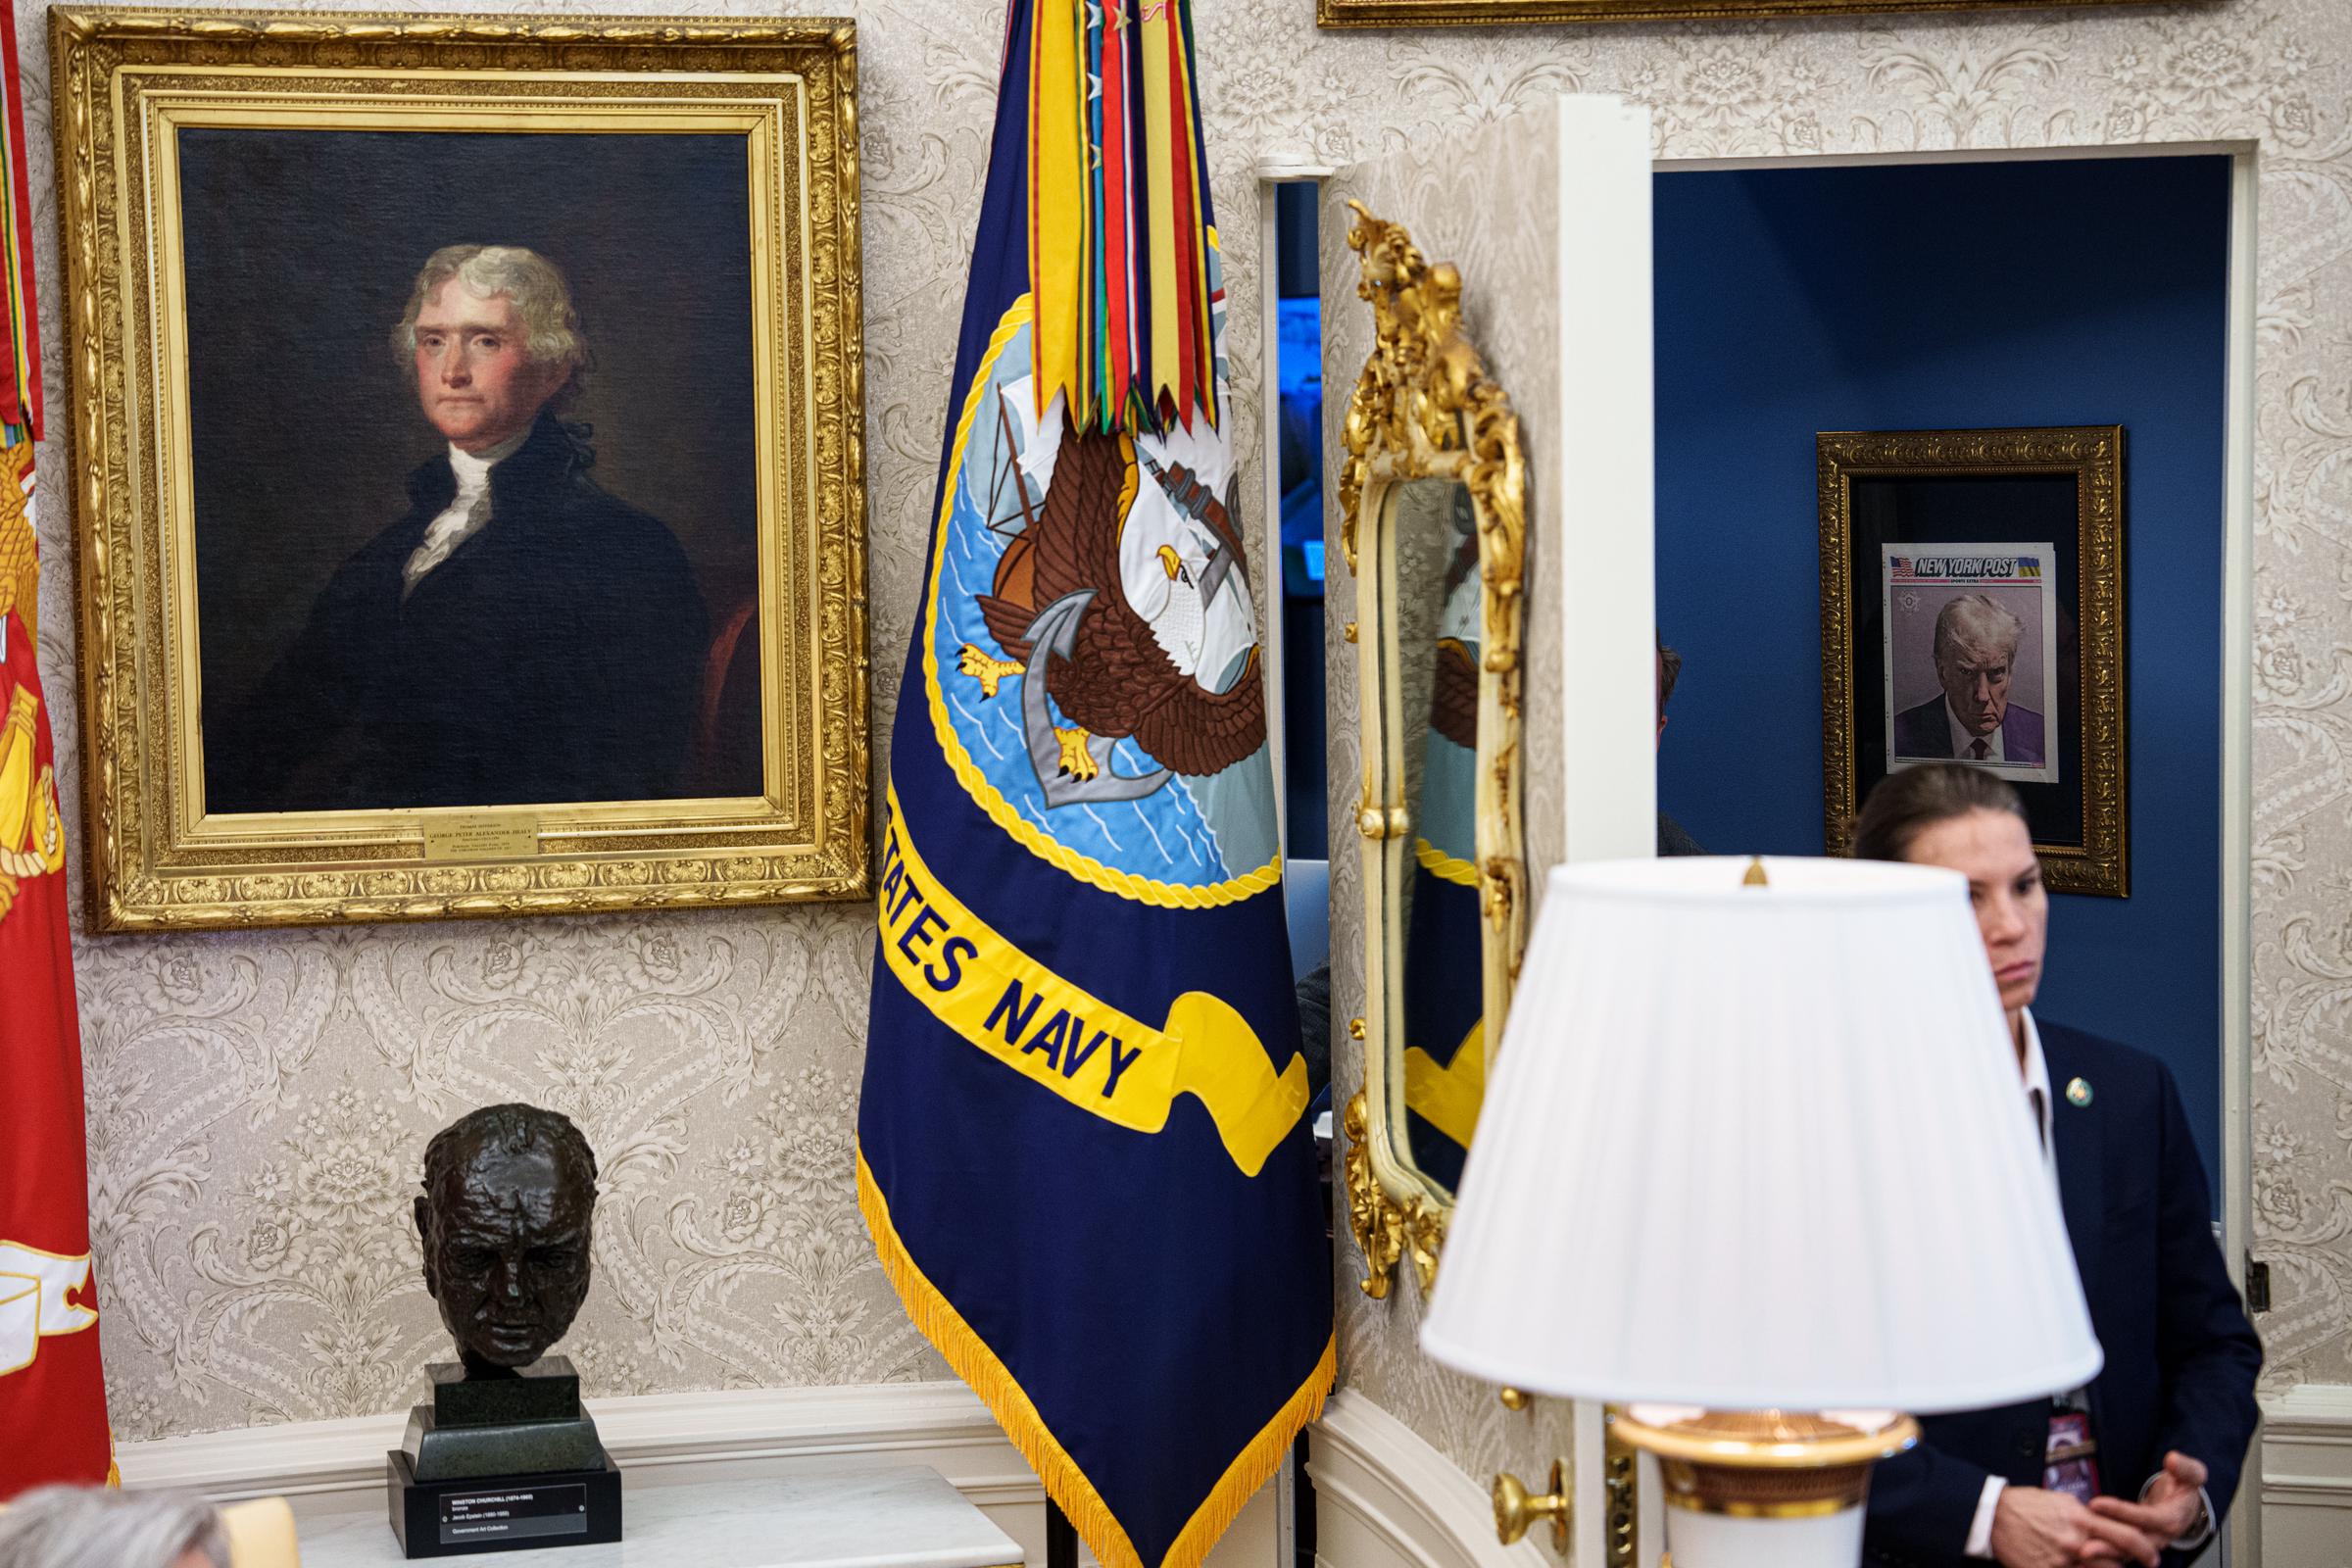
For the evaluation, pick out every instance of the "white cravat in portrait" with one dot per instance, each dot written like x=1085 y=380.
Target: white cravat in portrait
x=466 y=515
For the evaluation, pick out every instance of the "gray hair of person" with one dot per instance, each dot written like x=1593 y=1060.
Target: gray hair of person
x=535 y=285
x=1979 y=622
x=101 y=1526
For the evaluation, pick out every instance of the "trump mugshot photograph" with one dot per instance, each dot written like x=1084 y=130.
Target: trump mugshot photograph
x=489 y=537
x=1967 y=679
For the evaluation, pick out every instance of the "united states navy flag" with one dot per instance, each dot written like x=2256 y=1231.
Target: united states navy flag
x=1082 y=1148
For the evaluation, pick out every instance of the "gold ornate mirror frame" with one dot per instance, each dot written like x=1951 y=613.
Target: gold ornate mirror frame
x=1425 y=408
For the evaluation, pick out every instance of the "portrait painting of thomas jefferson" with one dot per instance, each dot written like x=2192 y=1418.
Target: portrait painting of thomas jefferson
x=518 y=621
x=468 y=465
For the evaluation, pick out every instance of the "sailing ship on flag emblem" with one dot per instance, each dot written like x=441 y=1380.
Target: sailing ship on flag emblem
x=1092 y=657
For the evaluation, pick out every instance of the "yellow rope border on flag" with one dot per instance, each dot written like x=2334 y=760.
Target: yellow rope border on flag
x=1126 y=884
x=1444 y=868
x=972 y=1359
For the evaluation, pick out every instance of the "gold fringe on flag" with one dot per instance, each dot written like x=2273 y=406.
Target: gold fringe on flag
x=973 y=1361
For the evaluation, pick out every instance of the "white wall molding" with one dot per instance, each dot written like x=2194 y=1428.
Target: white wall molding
x=940 y=1424
x=1386 y=1499
x=672 y=1438
x=2305 y=1489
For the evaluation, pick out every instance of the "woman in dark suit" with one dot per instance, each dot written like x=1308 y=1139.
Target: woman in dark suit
x=2140 y=1466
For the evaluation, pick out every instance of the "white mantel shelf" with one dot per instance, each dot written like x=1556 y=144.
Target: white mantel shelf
x=898 y=1516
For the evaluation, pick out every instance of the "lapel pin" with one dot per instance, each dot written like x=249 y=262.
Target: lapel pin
x=2077 y=1093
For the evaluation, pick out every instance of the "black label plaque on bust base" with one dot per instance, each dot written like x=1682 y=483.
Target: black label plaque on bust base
x=492 y=1513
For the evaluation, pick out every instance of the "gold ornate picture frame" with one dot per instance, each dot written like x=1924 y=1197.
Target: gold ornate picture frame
x=1425 y=409
x=546 y=686
x=1972 y=610
x=1493 y=13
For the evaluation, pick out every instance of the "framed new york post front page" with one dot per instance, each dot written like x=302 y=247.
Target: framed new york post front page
x=1972 y=611
x=467 y=452
x=1971 y=657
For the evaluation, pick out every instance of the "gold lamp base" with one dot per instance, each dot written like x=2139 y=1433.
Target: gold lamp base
x=1766 y=1464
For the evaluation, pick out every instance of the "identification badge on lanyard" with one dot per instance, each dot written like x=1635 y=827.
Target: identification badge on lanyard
x=2070 y=1463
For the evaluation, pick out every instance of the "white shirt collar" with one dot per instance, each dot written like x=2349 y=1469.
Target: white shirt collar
x=466 y=515
x=2038 y=1077
x=1962 y=738
x=473 y=468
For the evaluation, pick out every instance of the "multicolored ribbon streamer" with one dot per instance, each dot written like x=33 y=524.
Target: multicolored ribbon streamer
x=1118 y=238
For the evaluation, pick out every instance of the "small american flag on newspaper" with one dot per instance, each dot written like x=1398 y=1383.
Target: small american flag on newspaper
x=1900 y=569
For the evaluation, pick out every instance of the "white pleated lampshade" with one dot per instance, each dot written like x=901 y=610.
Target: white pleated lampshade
x=1758 y=1148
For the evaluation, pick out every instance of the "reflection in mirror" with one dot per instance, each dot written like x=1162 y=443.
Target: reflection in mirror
x=1438 y=1064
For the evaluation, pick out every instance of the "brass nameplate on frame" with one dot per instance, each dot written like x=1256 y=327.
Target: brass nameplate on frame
x=482 y=838
x=1433 y=525
x=550 y=493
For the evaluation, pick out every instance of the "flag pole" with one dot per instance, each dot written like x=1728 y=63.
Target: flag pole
x=1062 y=1538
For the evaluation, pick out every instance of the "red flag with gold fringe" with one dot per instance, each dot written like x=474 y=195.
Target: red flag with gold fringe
x=52 y=1392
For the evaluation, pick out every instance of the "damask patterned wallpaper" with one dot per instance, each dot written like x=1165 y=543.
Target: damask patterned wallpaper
x=257 y=1103
x=1487 y=203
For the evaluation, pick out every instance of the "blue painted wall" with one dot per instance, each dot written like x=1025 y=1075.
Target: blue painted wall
x=1790 y=302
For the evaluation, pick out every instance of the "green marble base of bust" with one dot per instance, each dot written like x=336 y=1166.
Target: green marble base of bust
x=548 y=1390
x=518 y=1448
x=523 y=1423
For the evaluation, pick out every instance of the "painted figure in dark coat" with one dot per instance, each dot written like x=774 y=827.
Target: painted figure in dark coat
x=519 y=637
x=1974 y=720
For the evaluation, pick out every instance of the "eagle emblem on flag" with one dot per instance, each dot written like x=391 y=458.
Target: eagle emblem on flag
x=1093 y=661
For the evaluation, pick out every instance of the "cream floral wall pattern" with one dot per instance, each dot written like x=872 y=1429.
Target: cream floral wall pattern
x=258 y=1102
x=1482 y=201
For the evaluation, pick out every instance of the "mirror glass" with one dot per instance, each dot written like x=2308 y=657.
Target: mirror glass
x=1437 y=1061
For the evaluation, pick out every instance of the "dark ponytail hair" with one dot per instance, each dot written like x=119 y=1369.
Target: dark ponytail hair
x=1907 y=804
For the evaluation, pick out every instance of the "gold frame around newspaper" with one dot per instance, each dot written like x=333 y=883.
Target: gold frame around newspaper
x=2093 y=457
